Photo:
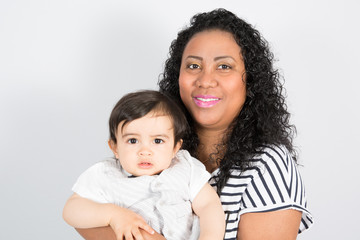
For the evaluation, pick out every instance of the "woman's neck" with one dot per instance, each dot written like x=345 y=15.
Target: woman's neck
x=210 y=147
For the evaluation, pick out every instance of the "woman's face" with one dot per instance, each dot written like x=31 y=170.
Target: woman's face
x=212 y=79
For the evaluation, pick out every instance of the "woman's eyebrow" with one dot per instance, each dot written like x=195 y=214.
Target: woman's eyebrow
x=196 y=57
x=215 y=58
x=222 y=57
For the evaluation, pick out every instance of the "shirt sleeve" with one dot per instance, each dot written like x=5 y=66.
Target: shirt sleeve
x=276 y=185
x=198 y=174
x=89 y=184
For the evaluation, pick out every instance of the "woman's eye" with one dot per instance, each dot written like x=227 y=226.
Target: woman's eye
x=224 y=67
x=193 y=66
x=158 y=141
x=132 y=140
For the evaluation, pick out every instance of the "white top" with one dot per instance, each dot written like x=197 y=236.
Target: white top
x=163 y=200
x=273 y=182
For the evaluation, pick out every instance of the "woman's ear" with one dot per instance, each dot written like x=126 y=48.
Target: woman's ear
x=113 y=148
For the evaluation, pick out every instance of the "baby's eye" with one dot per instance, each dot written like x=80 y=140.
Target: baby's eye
x=158 y=141
x=193 y=66
x=132 y=141
x=224 y=67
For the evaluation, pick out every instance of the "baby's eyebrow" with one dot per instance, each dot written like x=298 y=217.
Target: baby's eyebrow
x=129 y=134
x=160 y=135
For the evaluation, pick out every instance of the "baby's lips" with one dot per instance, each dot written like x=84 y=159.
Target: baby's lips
x=145 y=164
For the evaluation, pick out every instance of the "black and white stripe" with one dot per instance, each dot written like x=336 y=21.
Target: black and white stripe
x=273 y=182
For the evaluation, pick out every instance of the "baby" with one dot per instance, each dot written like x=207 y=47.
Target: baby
x=151 y=184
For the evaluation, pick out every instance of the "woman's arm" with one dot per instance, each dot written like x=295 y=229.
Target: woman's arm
x=275 y=225
x=208 y=207
x=282 y=179
x=100 y=233
x=106 y=233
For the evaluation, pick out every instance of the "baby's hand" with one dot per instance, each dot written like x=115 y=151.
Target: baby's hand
x=126 y=224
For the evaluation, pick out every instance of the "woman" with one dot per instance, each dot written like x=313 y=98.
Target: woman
x=220 y=71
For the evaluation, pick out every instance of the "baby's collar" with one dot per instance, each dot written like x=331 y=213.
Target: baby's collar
x=129 y=175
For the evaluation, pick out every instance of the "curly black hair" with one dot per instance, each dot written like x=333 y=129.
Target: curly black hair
x=264 y=119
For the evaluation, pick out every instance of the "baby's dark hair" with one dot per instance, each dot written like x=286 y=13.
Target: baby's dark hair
x=138 y=104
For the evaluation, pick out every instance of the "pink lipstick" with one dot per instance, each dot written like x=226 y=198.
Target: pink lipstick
x=206 y=101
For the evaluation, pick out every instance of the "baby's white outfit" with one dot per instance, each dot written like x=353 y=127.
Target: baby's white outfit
x=163 y=200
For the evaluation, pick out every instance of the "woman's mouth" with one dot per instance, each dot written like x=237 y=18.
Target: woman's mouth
x=206 y=101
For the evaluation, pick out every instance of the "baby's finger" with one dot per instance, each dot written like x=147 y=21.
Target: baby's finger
x=147 y=228
x=137 y=235
x=128 y=236
x=119 y=236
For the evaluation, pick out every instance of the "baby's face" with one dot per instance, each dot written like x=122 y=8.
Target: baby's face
x=145 y=146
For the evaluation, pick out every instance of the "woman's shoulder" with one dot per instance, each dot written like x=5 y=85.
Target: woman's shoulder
x=271 y=182
x=277 y=153
x=271 y=166
x=265 y=158
x=272 y=158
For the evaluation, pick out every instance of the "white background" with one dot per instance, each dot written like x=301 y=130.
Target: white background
x=64 y=64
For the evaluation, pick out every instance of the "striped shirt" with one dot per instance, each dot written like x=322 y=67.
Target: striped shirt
x=273 y=182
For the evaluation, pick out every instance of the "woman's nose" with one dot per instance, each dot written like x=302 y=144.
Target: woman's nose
x=206 y=79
